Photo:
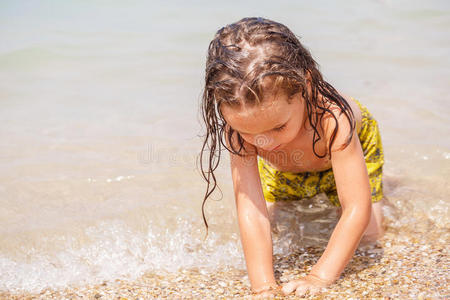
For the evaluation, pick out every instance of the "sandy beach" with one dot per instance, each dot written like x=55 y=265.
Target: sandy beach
x=407 y=263
x=100 y=189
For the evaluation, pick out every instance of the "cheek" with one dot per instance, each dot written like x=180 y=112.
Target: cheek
x=247 y=138
x=290 y=134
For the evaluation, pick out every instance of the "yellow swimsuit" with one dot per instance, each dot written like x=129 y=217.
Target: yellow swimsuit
x=278 y=185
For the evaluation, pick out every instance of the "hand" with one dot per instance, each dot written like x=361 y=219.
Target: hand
x=311 y=283
x=268 y=292
x=264 y=295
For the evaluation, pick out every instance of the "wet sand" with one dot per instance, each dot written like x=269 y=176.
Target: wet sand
x=406 y=263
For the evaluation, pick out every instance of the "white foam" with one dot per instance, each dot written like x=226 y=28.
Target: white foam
x=119 y=252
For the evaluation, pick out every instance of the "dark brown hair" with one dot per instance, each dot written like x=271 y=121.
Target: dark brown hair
x=240 y=56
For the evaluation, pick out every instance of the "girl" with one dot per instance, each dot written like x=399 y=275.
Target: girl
x=290 y=135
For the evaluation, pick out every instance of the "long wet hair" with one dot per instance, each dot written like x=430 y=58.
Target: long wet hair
x=240 y=57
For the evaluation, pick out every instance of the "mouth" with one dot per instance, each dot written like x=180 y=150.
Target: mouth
x=276 y=147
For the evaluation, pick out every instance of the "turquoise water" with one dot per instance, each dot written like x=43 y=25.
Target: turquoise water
x=100 y=125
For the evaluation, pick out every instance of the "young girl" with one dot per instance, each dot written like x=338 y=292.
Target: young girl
x=290 y=136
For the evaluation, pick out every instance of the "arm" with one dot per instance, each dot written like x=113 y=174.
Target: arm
x=253 y=221
x=352 y=182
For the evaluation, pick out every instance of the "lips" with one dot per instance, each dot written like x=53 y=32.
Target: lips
x=276 y=147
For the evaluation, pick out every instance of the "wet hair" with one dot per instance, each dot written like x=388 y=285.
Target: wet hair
x=246 y=60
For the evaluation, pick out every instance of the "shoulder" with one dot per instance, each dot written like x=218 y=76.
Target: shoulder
x=338 y=128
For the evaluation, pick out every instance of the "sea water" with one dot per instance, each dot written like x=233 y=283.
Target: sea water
x=100 y=130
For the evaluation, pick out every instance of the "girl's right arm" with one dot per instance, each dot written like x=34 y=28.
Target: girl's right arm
x=254 y=224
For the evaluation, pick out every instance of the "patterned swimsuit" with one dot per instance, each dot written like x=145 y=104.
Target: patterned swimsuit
x=278 y=185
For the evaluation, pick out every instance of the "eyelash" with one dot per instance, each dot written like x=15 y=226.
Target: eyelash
x=280 y=128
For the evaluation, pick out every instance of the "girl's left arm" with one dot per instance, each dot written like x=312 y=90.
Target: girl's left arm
x=353 y=188
x=352 y=182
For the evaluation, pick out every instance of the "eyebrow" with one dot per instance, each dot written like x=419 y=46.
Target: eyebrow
x=278 y=126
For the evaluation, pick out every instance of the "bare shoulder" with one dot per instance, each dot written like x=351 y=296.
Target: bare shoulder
x=355 y=109
x=337 y=126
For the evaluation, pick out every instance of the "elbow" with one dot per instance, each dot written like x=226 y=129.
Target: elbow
x=366 y=212
x=360 y=213
x=250 y=217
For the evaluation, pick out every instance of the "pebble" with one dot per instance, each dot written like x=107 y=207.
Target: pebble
x=414 y=266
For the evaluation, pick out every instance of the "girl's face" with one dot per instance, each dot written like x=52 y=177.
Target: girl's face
x=270 y=125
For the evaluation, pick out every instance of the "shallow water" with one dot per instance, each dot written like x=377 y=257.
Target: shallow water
x=100 y=126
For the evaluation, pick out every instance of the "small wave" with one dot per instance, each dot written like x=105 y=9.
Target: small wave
x=119 y=252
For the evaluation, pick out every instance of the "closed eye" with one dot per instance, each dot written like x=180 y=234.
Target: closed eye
x=280 y=128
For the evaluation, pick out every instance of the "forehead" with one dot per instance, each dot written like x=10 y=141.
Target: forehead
x=257 y=118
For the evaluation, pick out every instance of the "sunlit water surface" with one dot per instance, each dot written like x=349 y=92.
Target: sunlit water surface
x=100 y=129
